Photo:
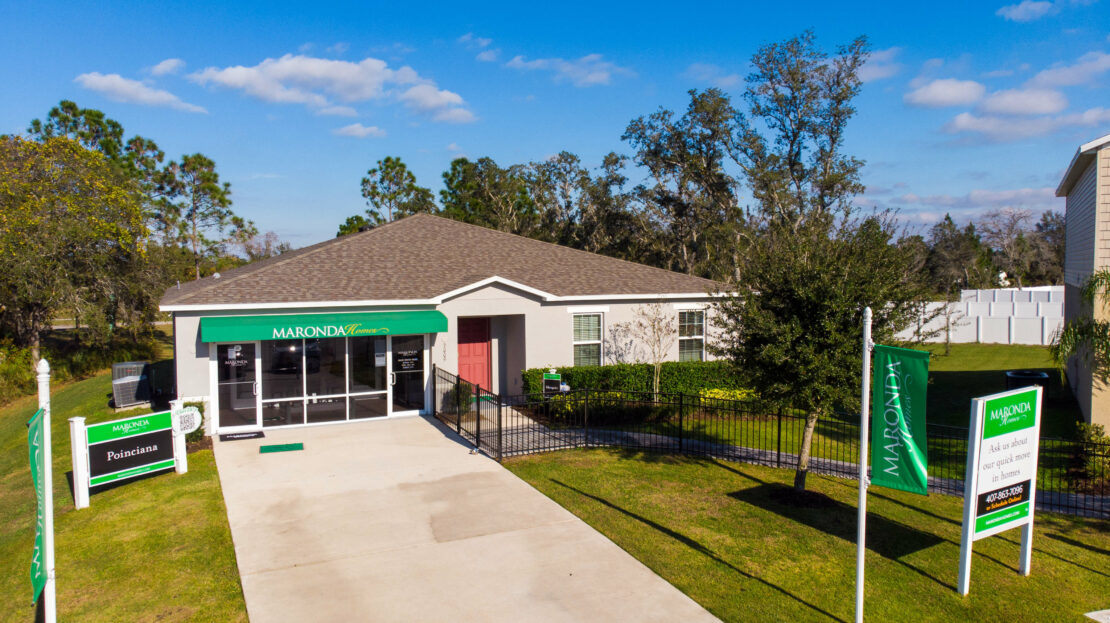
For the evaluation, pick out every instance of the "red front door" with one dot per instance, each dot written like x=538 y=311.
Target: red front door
x=474 y=351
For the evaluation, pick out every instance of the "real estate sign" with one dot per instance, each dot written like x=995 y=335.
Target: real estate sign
x=1000 y=484
x=552 y=382
x=37 y=457
x=130 y=447
x=899 y=456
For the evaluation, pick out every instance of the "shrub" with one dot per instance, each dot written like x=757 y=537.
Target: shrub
x=1096 y=452
x=68 y=358
x=676 y=377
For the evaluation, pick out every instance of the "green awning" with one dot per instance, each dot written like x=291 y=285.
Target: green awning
x=293 y=326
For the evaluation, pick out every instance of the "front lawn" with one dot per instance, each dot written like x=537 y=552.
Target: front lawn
x=154 y=550
x=734 y=538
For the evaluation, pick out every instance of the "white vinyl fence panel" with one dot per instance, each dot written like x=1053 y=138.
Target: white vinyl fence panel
x=1001 y=316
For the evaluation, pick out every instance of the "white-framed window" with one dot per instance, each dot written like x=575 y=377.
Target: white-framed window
x=691 y=335
x=587 y=339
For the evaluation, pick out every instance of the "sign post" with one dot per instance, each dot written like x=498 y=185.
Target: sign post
x=1000 y=485
x=861 y=523
x=38 y=441
x=898 y=438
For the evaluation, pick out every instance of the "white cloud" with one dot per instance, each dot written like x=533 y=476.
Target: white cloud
x=337 y=111
x=168 y=66
x=706 y=72
x=980 y=200
x=1024 y=102
x=489 y=56
x=590 y=70
x=998 y=73
x=358 y=130
x=945 y=92
x=338 y=48
x=117 y=88
x=1027 y=11
x=1085 y=70
x=454 y=115
x=880 y=64
x=472 y=42
x=453 y=147
x=1002 y=129
x=314 y=82
x=427 y=97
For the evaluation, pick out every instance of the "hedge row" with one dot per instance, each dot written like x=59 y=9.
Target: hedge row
x=676 y=377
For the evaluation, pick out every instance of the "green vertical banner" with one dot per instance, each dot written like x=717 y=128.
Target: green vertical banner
x=899 y=457
x=36 y=455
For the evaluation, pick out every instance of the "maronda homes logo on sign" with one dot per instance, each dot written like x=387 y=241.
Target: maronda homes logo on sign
x=331 y=330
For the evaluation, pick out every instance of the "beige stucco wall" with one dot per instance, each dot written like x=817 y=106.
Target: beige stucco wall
x=1087 y=249
x=529 y=333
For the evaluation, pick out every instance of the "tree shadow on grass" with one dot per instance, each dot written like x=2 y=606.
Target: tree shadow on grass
x=697 y=547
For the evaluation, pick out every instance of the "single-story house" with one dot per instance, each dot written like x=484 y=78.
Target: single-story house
x=349 y=329
x=1086 y=187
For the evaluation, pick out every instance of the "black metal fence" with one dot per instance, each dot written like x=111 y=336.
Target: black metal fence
x=1073 y=476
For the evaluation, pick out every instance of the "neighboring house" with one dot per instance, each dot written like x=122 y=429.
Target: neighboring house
x=349 y=328
x=1086 y=185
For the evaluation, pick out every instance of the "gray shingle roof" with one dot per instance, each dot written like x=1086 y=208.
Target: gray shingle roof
x=423 y=257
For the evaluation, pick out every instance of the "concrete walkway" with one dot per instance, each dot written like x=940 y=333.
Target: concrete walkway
x=395 y=521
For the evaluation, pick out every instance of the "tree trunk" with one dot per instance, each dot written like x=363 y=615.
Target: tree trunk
x=35 y=351
x=655 y=379
x=803 y=454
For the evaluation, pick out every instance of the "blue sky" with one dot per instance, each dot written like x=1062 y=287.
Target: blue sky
x=968 y=106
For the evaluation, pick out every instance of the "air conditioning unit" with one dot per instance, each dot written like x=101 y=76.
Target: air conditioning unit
x=129 y=384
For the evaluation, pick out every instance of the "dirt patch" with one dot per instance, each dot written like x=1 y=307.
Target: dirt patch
x=205 y=443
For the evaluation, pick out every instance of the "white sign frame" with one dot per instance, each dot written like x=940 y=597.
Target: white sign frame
x=972 y=483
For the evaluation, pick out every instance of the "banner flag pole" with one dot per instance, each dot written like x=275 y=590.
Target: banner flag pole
x=865 y=407
x=48 y=592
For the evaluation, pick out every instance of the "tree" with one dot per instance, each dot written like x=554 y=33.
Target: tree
x=956 y=258
x=1005 y=232
x=792 y=323
x=1047 y=246
x=201 y=205
x=655 y=329
x=264 y=246
x=483 y=193
x=391 y=192
x=689 y=199
x=71 y=231
x=1088 y=335
x=353 y=225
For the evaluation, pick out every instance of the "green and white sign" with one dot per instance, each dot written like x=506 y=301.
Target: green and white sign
x=130 y=447
x=37 y=458
x=310 y=326
x=899 y=458
x=1000 y=485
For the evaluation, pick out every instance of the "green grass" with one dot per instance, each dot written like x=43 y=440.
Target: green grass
x=970 y=370
x=734 y=538
x=157 y=549
x=973 y=370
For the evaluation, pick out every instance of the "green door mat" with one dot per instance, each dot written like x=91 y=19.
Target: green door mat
x=280 y=447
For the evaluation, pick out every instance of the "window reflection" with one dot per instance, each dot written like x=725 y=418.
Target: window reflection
x=367 y=364
x=282 y=369
x=324 y=366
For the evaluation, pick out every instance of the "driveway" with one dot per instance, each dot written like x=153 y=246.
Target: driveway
x=395 y=521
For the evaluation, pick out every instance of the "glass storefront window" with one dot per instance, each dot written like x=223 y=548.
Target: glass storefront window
x=326 y=409
x=325 y=367
x=282 y=369
x=367 y=363
x=283 y=413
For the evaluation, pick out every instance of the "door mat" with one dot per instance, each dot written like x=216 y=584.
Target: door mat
x=237 y=436
x=280 y=447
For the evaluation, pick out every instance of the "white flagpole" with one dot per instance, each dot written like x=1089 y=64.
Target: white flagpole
x=49 y=610
x=865 y=407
